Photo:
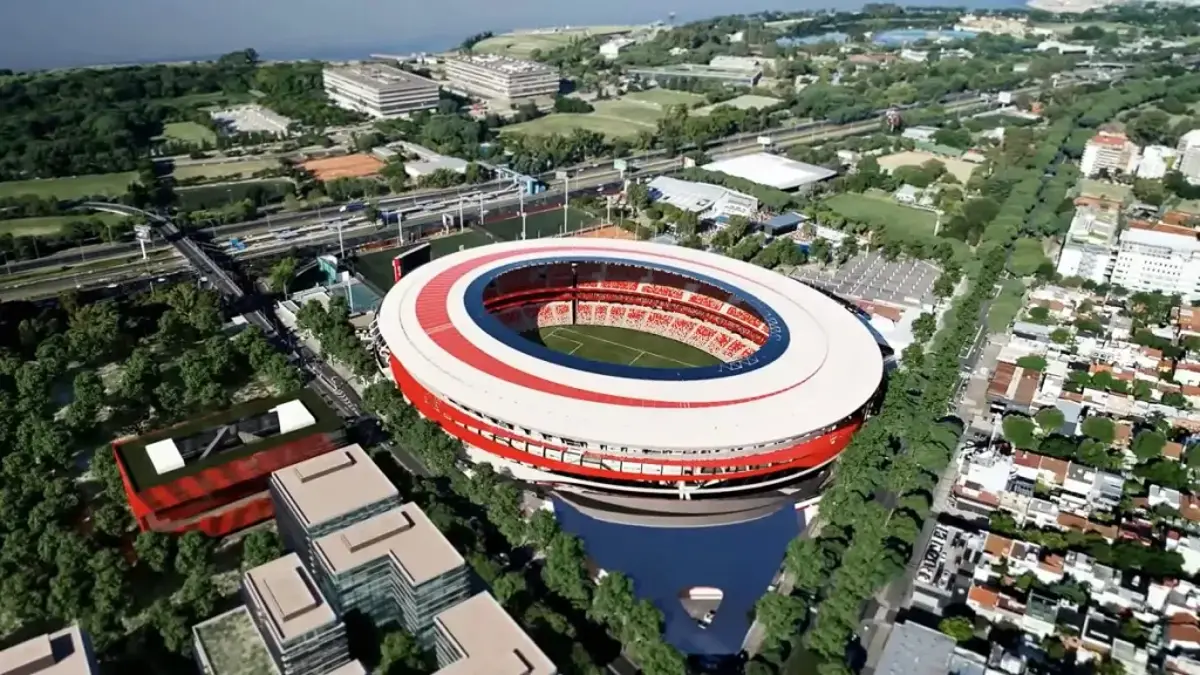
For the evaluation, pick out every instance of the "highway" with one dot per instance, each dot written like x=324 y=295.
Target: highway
x=582 y=176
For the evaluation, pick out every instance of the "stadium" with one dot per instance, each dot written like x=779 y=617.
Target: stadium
x=640 y=383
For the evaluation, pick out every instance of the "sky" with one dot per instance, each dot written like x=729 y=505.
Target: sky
x=59 y=33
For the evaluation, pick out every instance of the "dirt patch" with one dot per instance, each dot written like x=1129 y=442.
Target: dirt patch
x=606 y=232
x=959 y=168
x=347 y=166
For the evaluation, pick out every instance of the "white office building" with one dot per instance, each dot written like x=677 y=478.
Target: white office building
x=1156 y=161
x=1110 y=152
x=501 y=77
x=1189 y=156
x=1159 y=257
x=380 y=90
x=1090 y=250
x=708 y=201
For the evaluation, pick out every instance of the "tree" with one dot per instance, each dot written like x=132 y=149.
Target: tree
x=508 y=587
x=779 y=615
x=401 y=654
x=924 y=326
x=1019 y=431
x=194 y=553
x=154 y=549
x=260 y=547
x=1100 y=428
x=281 y=274
x=958 y=627
x=170 y=623
x=1050 y=419
x=1148 y=444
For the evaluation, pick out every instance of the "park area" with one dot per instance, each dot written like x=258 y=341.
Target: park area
x=958 y=168
x=50 y=225
x=622 y=346
x=624 y=117
x=189 y=132
x=880 y=211
x=1090 y=187
x=231 y=170
x=521 y=44
x=743 y=102
x=74 y=187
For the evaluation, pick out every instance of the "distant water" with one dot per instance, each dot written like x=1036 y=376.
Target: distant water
x=64 y=33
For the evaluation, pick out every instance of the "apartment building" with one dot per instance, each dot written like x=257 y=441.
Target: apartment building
x=302 y=632
x=395 y=566
x=1189 y=156
x=1090 y=249
x=64 y=652
x=477 y=637
x=491 y=76
x=380 y=90
x=1159 y=257
x=1111 y=152
x=327 y=493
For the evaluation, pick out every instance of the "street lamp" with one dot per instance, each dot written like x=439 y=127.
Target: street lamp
x=565 y=177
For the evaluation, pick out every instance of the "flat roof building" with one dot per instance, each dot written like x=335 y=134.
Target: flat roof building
x=380 y=90
x=706 y=200
x=395 y=566
x=327 y=493
x=230 y=644
x=65 y=652
x=738 y=77
x=773 y=171
x=300 y=629
x=477 y=637
x=501 y=77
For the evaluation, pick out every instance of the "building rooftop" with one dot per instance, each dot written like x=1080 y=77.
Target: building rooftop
x=490 y=640
x=405 y=534
x=333 y=484
x=774 y=171
x=219 y=438
x=687 y=195
x=505 y=65
x=913 y=649
x=65 y=652
x=230 y=644
x=289 y=598
x=381 y=76
x=355 y=667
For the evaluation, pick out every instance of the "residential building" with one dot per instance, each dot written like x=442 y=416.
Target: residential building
x=64 y=652
x=1156 y=161
x=745 y=64
x=477 y=637
x=380 y=90
x=327 y=493
x=301 y=630
x=914 y=55
x=1065 y=48
x=1159 y=257
x=393 y=567
x=491 y=76
x=1090 y=249
x=1189 y=156
x=1110 y=152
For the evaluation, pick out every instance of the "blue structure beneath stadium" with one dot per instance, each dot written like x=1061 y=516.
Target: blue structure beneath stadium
x=740 y=559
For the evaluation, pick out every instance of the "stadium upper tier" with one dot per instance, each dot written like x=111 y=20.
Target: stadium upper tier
x=795 y=370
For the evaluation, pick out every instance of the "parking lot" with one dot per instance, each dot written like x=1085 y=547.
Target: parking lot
x=945 y=568
x=870 y=276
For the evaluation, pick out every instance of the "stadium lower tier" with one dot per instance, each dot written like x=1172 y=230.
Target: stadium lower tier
x=541 y=462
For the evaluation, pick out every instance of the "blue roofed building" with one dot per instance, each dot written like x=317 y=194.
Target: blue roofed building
x=784 y=223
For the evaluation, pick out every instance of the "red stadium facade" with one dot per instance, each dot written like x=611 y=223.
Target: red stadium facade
x=796 y=374
x=224 y=491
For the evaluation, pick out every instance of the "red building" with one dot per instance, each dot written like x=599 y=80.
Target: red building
x=211 y=474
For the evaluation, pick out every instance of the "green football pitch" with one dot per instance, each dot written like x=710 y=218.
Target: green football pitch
x=623 y=346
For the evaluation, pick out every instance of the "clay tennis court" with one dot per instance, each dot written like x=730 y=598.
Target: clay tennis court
x=607 y=232
x=347 y=166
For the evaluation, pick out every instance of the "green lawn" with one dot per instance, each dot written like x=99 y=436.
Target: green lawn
x=521 y=45
x=1189 y=206
x=537 y=225
x=223 y=170
x=634 y=112
x=1006 y=306
x=75 y=187
x=565 y=123
x=1097 y=188
x=665 y=97
x=880 y=210
x=31 y=227
x=377 y=266
x=622 y=346
x=189 y=132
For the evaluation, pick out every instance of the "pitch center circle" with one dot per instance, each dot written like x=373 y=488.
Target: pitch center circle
x=484 y=287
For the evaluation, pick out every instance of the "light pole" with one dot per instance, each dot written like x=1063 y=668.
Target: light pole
x=399 y=227
x=566 y=179
x=521 y=201
x=461 y=223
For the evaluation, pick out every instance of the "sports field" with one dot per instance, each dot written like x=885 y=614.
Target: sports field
x=189 y=132
x=880 y=210
x=623 y=117
x=75 y=187
x=664 y=97
x=538 y=225
x=622 y=346
x=230 y=170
